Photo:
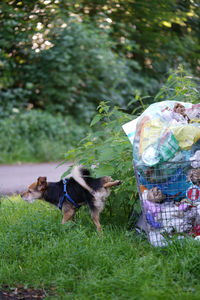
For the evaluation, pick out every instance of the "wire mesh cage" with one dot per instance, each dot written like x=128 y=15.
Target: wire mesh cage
x=170 y=200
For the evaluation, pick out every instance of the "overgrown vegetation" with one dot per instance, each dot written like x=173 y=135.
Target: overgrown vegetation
x=72 y=262
x=109 y=150
x=180 y=86
x=67 y=56
x=38 y=136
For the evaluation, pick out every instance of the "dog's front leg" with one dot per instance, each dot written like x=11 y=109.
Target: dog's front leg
x=68 y=215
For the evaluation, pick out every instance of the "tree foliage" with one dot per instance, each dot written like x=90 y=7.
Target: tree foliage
x=79 y=70
x=157 y=34
x=67 y=56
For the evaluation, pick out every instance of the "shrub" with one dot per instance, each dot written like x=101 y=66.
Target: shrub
x=110 y=152
x=37 y=136
x=70 y=76
x=180 y=86
x=79 y=71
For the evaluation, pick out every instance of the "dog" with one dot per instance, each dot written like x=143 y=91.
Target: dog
x=78 y=189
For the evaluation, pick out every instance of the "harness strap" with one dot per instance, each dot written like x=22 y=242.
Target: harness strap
x=66 y=195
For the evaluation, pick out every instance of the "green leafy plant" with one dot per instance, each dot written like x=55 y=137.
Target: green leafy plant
x=80 y=69
x=109 y=152
x=180 y=86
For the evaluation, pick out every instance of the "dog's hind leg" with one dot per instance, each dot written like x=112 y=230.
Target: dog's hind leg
x=95 y=218
x=73 y=218
x=111 y=183
x=68 y=215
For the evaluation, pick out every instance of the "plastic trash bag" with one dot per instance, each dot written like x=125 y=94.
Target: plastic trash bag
x=162 y=130
x=164 y=138
x=186 y=135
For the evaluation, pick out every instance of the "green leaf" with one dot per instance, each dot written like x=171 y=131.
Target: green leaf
x=105 y=170
x=66 y=173
x=107 y=154
x=95 y=120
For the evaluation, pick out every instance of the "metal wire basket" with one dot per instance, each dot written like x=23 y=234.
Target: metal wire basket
x=170 y=201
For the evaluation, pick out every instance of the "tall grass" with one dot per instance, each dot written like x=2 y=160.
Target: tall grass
x=37 y=251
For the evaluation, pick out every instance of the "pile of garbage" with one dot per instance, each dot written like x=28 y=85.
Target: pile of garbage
x=166 y=157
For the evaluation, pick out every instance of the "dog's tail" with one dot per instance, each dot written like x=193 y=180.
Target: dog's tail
x=78 y=173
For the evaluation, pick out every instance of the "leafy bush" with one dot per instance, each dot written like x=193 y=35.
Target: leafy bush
x=79 y=71
x=13 y=98
x=37 y=136
x=110 y=152
x=70 y=76
x=180 y=86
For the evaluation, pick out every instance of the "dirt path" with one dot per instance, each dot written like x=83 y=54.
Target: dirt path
x=16 y=178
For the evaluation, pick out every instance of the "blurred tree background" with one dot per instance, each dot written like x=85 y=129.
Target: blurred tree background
x=64 y=57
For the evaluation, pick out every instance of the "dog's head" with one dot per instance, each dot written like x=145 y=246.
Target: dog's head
x=35 y=190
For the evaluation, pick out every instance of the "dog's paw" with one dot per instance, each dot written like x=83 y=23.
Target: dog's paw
x=119 y=182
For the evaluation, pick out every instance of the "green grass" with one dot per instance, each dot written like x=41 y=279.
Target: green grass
x=37 y=251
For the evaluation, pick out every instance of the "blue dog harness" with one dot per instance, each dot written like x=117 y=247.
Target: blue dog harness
x=65 y=194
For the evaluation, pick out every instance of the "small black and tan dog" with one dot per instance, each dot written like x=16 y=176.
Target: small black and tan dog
x=73 y=192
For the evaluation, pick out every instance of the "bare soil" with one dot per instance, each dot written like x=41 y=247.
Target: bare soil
x=21 y=293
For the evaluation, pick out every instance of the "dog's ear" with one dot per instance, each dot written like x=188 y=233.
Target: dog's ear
x=41 y=184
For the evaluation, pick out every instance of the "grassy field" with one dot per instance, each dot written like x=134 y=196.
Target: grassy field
x=73 y=262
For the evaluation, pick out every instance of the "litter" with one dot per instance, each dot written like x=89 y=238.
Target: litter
x=186 y=135
x=166 y=160
x=195 y=159
x=193 y=194
x=194 y=176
